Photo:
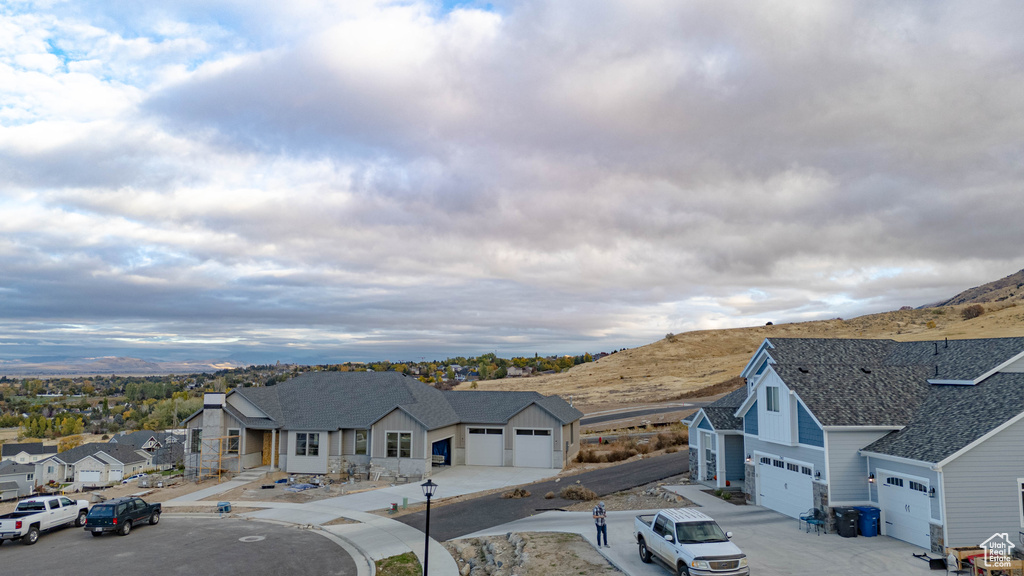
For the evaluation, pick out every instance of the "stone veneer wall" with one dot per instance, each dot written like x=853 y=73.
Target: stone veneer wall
x=694 y=465
x=749 y=482
x=820 y=501
x=938 y=543
x=712 y=466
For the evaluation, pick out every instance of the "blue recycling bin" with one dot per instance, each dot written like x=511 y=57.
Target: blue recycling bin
x=869 y=518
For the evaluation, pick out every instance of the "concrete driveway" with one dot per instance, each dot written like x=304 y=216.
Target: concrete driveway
x=453 y=481
x=773 y=543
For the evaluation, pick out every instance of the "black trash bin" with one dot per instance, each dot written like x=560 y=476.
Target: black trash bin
x=846 y=522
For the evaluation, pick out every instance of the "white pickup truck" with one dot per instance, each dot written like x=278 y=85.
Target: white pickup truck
x=34 y=515
x=689 y=542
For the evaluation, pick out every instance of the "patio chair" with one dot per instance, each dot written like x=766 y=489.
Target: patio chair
x=953 y=565
x=813 y=517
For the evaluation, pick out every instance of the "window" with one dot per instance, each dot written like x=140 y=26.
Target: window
x=709 y=441
x=805 y=470
x=778 y=463
x=49 y=469
x=399 y=444
x=66 y=502
x=766 y=460
x=893 y=481
x=771 y=398
x=792 y=467
x=195 y=440
x=307 y=443
x=30 y=475
x=918 y=486
x=1020 y=482
x=233 y=440
x=361 y=437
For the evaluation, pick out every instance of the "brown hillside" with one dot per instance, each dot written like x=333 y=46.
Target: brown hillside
x=685 y=364
x=1009 y=289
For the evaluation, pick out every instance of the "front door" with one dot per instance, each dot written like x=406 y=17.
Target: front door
x=268 y=446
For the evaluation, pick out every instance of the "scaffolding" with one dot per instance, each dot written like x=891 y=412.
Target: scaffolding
x=216 y=455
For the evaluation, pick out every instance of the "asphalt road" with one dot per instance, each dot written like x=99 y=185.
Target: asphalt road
x=181 y=546
x=586 y=421
x=457 y=519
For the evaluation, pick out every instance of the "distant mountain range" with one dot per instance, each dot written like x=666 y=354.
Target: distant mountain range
x=121 y=366
x=1008 y=289
x=902 y=325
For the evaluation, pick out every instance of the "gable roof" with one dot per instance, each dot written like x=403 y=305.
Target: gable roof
x=34 y=448
x=494 y=407
x=139 y=438
x=11 y=467
x=722 y=412
x=336 y=400
x=120 y=452
x=952 y=417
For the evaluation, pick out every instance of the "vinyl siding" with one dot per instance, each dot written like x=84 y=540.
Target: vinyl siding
x=813 y=456
x=734 y=457
x=808 y=431
x=922 y=471
x=704 y=424
x=982 y=494
x=534 y=417
x=776 y=426
x=750 y=420
x=847 y=470
x=397 y=421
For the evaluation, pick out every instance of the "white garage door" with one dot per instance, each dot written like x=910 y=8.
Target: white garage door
x=784 y=489
x=533 y=448
x=116 y=475
x=485 y=447
x=906 y=508
x=88 y=476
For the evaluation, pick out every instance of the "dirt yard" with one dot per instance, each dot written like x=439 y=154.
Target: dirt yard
x=540 y=554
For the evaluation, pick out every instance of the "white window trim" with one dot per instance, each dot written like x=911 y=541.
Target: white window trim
x=772 y=399
x=399 y=456
x=1020 y=500
x=295 y=443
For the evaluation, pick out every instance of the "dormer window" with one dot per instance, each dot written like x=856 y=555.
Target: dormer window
x=771 y=398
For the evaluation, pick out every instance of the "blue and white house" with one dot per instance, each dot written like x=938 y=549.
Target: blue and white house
x=932 y=433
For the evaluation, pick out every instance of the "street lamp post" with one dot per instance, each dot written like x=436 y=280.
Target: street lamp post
x=428 y=490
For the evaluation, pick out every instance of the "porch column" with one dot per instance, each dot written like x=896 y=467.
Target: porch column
x=273 y=449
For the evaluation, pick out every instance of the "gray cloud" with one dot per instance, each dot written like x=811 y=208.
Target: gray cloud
x=546 y=176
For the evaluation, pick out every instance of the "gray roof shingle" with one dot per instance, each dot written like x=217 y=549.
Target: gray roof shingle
x=122 y=453
x=493 y=407
x=954 y=416
x=722 y=412
x=34 y=448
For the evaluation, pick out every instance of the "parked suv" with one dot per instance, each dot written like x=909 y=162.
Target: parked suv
x=120 y=515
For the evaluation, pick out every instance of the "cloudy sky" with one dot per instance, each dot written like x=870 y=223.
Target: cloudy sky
x=368 y=179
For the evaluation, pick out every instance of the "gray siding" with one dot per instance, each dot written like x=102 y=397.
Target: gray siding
x=397 y=421
x=808 y=431
x=813 y=456
x=847 y=470
x=982 y=493
x=923 y=471
x=734 y=457
x=704 y=424
x=534 y=417
x=750 y=420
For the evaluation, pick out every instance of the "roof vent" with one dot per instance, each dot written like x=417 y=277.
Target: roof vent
x=936 y=349
x=936 y=370
x=804 y=370
x=865 y=370
x=947 y=342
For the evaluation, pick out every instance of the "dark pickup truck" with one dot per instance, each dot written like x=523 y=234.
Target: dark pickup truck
x=120 y=515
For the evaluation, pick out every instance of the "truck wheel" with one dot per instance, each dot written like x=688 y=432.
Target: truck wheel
x=154 y=518
x=30 y=537
x=682 y=570
x=126 y=528
x=80 y=521
x=645 y=554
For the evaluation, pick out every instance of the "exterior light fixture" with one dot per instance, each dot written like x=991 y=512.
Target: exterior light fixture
x=748 y=457
x=428 y=490
x=817 y=475
x=931 y=492
x=871 y=479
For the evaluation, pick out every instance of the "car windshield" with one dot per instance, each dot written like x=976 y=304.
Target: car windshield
x=30 y=506
x=699 y=532
x=101 y=511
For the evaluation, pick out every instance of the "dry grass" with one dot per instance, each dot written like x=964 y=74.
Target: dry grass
x=694 y=361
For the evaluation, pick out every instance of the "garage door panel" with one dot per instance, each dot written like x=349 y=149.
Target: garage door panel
x=906 y=511
x=485 y=447
x=87 y=476
x=784 y=491
x=532 y=449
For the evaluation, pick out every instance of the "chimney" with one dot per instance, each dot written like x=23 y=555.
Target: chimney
x=214 y=400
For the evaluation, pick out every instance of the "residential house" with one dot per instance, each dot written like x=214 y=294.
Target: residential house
x=27 y=453
x=929 y=432
x=166 y=449
x=721 y=433
x=16 y=480
x=93 y=464
x=328 y=422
